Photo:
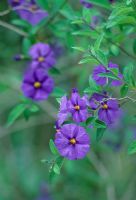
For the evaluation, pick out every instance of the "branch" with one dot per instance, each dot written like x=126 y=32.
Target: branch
x=13 y=28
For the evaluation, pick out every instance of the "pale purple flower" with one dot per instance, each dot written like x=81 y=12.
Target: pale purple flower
x=104 y=80
x=95 y=21
x=29 y=11
x=72 y=142
x=37 y=85
x=77 y=107
x=42 y=56
x=63 y=111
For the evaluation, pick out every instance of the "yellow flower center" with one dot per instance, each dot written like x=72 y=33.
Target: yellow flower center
x=72 y=141
x=57 y=130
x=105 y=106
x=37 y=84
x=77 y=107
x=41 y=59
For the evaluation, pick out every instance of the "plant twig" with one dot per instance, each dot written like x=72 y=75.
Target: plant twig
x=13 y=28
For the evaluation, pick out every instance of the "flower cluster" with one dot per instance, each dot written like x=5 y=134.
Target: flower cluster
x=72 y=140
x=37 y=84
x=29 y=11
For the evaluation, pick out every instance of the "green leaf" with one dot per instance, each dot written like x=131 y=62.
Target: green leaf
x=43 y=4
x=34 y=108
x=134 y=46
x=93 y=87
x=132 y=148
x=115 y=50
x=99 y=55
x=109 y=75
x=15 y=113
x=101 y=3
x=89 y=120
x=119 y=11
x=128 y=74
x=54 y=71
x=56 y=169
x=21 y=23
x=99 y=124
x=53 y=147
x=79 y=49
x=124 y=90
x=88 y=60
x=99 y=133
x=26 y=45
x=98 y=41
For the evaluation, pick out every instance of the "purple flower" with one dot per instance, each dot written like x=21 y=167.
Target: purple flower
x=44 y=193
x=111 y=1
x=96 y=98
x=109 y=111
x=77 y=107
x=103 y=80
x=42 y=56
x=63 y=111
x=37 y=85
x=95 y=21
x=29 y=11
x=86 y=4
x=72 y=142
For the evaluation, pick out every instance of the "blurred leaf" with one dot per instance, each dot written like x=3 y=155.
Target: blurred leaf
x=26 y=45
x=53 y=147
x=79 y=49
x=115 y=50
x=56 y=169
x=15 y=113
x=109 y=75
x=54 y=71
x=128 y=74
x=132 y=148
x=58 y=92
x=98 y=41
x=124 y=90
x=21 y=23
x=134 y=46
x=99 y=133
x=88 y=60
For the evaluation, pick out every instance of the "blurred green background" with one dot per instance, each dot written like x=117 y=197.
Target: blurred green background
x=107 y=173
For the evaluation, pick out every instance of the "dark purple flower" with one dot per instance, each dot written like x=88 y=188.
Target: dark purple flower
x=72 y=142
x=86 y=4
x=111 y=1
x=37 y=85
x=18 y=57
x=109 y=111
x=29 y=11
x=15 y=3
x=42 y=56
x=77 y=107
x=96 y=98
x=103 y=80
